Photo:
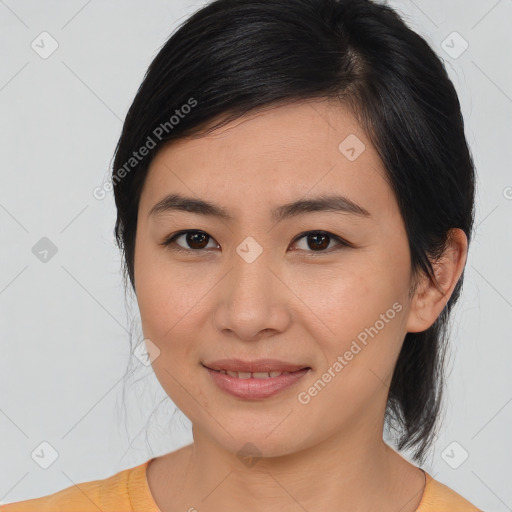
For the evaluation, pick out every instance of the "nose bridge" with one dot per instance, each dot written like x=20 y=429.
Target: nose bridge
x=251 y=273
x=251 y=299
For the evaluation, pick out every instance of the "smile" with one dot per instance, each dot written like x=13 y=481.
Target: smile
x=255 y=375
x=255 y=385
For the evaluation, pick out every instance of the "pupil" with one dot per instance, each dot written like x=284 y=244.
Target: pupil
x=192 y=240
x=323 y=245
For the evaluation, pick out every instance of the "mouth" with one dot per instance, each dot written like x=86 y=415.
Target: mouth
x=257 y=379
x=259 y=369
x=256 y=375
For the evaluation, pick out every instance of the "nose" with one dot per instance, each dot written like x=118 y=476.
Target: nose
x=252 y=300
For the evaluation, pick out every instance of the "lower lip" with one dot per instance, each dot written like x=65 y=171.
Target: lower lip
x=255 y=389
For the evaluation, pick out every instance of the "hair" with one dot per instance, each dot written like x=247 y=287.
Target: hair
x=234 y=57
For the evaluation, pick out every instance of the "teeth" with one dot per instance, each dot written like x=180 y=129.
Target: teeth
x=255 y=375
x=263 y=375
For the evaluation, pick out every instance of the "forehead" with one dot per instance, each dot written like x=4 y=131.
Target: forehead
x=273 y=157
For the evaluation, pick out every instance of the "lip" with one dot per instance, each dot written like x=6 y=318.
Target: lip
x=258 y=365
x=254 y=388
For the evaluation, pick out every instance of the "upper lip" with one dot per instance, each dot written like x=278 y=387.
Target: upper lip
x=259 y=365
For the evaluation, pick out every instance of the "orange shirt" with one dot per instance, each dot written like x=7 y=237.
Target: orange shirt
x=128 y=491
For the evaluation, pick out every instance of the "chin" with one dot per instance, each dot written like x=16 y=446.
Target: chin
x=251 y=445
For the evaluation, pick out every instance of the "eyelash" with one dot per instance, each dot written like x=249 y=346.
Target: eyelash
x=171 y=240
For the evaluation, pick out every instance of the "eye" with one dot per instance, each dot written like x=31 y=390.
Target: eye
x=197 y=240
x=318 y=241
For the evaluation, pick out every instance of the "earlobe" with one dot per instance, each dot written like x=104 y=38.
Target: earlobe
x=430 y=298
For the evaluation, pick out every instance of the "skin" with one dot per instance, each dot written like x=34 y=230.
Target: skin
x=201 y=306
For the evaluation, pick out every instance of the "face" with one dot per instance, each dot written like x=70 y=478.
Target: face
x=325 y=288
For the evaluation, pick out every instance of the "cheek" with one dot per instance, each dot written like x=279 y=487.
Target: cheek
x=362 y=313
x=169 y=314
x=168 y=294
x=169 y=305
x=350 y=296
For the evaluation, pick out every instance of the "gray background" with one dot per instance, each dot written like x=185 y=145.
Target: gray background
x=64 y=323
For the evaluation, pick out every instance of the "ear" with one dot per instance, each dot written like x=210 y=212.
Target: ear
x=430 y=298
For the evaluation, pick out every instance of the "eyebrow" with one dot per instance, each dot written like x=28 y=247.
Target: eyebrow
x=323 y=203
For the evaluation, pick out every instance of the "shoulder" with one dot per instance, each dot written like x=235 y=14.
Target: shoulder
x=111 y=493
x=438 y=497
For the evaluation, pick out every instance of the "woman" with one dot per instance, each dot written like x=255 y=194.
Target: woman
x=295 y=200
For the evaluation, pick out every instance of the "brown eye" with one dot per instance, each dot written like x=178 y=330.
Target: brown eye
x=319 y=241
x=194 y=240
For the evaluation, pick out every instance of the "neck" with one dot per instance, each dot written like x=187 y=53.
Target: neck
x=351 y=472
